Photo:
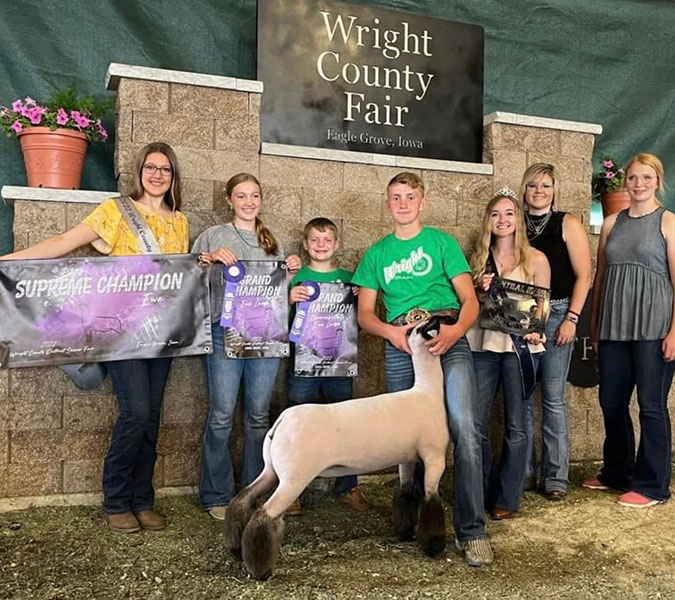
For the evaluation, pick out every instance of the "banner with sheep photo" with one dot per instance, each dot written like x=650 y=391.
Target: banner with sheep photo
x=75 y=310
x=255 y=309
x=325 y=332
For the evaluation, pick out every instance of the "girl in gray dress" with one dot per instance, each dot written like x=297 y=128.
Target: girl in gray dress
x=633 y=326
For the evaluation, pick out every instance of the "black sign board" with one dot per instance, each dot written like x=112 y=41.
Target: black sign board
x=583 y=370
x=363 y=78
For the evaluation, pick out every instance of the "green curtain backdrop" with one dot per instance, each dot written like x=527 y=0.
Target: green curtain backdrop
x=602 y=62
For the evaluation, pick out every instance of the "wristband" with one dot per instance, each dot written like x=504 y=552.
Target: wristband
x=572 y=318
x=574 y=312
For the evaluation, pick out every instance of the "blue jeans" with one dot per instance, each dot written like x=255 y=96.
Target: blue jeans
x=304 y=390
x=554 y=364
x=505 y=488
x=216 y=485
x=130 y=462
x=460 y=397
x=623 y=365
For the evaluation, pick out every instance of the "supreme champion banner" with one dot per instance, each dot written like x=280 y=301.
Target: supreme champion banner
x=73 y=310
x=255 y=309
x=325 y=332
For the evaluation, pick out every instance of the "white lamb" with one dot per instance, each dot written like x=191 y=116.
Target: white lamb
x=350 y=438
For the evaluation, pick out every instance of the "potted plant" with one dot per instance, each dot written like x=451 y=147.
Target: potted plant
x=609 y=186
x=54 y=135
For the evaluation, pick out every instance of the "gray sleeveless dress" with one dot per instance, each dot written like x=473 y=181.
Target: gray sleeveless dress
x=637 y=301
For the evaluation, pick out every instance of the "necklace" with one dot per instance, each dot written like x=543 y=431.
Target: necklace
x=536 y=226
x=241 y=237
x=501 y=262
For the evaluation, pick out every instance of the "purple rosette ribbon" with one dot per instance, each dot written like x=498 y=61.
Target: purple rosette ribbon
x=302 y=311
x=232 y=274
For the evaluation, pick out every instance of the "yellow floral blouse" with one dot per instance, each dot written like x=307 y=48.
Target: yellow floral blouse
x=116 y=239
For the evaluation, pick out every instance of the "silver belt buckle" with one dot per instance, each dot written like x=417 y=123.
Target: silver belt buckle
x=415 y=315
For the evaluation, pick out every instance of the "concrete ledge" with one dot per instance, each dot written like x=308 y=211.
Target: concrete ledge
x=116 y=71
x=91 y=499
x=368 y=158
x=10 y=193
x=543 y=122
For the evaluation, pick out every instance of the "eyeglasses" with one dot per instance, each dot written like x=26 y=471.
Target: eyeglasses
x=535 y=186
x=151 y=169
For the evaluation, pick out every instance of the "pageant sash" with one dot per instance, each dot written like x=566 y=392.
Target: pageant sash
x=138 y=226
x=528 y=375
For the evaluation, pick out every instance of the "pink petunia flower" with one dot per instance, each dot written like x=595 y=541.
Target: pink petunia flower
x=61 y=117
x=17 y=105
x=608 y=164
x=35 y=116
x=29 y=101
x=610 y=175
x=17 y=127
x=101 y=130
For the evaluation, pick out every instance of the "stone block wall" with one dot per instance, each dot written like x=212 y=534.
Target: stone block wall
x=53 y=437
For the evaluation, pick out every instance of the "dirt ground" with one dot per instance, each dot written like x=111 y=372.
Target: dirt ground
x=584 y=547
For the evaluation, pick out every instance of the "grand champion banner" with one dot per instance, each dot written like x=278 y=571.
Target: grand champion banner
x=73 y=310
x=325 y=332
x=255 y=309
x=515 y=307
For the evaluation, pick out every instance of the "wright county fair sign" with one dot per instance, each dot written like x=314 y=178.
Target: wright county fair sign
x=362 y=78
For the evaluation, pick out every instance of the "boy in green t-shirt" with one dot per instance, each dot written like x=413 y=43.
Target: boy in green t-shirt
x=320 y=240
x=419 y=267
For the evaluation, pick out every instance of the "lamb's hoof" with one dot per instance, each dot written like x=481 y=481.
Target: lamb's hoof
x=405 y=508
x=264 y=576
x=434 y=547
x=261 y=544
x=431 y=533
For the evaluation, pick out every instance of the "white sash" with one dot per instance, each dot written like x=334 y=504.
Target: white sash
x=138 y=226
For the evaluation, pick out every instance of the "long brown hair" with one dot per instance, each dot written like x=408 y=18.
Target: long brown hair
x=172 y=196
x=479 y=257
x=265 y=238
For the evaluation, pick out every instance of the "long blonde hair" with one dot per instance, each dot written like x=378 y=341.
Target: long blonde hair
x=265 y=238
x=478 y=260
x=650 y=160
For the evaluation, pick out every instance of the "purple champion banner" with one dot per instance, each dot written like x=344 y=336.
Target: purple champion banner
x=326 y=333
x=255 y=309
x=73 y=310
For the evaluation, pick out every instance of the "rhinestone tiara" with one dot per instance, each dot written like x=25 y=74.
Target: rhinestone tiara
x=505 y=192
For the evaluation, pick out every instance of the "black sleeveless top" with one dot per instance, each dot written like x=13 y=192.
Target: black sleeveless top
x=550 y=242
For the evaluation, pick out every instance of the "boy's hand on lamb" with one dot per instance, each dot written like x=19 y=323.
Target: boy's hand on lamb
x=447 y=337
x=399 y=338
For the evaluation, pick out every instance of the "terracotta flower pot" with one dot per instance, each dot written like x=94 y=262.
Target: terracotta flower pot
x=613 y=202
x=53 y=159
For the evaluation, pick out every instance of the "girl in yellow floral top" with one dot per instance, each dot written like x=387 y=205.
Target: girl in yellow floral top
x=138 y=384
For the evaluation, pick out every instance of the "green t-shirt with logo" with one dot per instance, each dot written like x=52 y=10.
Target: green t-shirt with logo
x=334 y=276
x=413 y=273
